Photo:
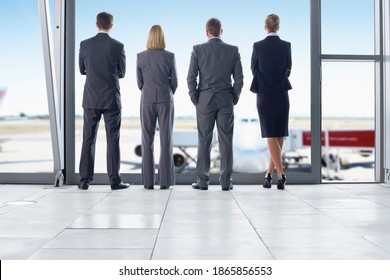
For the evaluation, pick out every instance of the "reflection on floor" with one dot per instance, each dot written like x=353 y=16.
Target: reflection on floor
x=302 y=222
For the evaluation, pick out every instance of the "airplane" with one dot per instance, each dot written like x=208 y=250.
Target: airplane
x=251 y=155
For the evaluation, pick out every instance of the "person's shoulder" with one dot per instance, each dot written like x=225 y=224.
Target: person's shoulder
x=116 y=42
x=284 y=42
x=88 y=40
x=168 y=53
x=142 y=54
x=229 y=45
x=259 y=43
x=200 y=45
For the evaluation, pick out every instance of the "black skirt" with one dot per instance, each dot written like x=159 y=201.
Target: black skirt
x=273 y=109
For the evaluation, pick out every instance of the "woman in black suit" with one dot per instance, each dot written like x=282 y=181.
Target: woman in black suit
x=271 y=67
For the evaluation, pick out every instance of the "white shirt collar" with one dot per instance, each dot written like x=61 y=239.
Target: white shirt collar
x=272 y=34
x=103 y=32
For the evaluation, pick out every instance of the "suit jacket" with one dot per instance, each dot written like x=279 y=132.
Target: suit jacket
x=156 y=75
x=215 y=62
x=103 y=60
x=271 y=64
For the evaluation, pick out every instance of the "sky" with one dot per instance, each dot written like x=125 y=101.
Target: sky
x=21 y=59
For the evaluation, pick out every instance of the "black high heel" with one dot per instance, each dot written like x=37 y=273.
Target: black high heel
x=267 y=181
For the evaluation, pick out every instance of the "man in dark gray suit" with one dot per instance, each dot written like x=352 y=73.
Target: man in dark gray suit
x=102 y=59
x=215 y=62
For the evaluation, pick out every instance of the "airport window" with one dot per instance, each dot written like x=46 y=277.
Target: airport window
x=350 y=75
x=348 y=121
x=336 y=53
x=24 y=120
x=184 y=27
x=348 y=27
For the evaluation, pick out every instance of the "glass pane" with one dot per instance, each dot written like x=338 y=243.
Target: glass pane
x=347 y=26
x=25 y=141
x=348 y=121
x=184 y=23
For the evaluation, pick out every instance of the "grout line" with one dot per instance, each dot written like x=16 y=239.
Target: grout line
x=340 y=222
x=258 y=234
x=67 y=227
x=162 y=219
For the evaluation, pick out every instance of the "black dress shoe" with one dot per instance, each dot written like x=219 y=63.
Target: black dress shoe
x=267 y=182
x=282 y=182
x=84 y=185
x=120 y=186
x=149 y=187
x=228 y=189
x=164 y=187
x=197 y=187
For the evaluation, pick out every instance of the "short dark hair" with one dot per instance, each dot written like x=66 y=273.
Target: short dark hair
x=214 y=26
x=104 y=20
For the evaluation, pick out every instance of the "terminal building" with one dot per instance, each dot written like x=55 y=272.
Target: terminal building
x=336 y=204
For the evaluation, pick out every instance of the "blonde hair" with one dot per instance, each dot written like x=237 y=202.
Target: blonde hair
x=272 y=22
x=156 y=39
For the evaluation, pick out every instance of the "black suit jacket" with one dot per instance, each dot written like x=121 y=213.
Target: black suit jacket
x=103 y=60
x=271 y=65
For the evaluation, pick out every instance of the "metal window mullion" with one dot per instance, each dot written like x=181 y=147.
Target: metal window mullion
x=386 y=87
x=59 y=46
x=316 y=112
x=353 y=58
x=51 y=84
x=379 y=97
x=70 y=176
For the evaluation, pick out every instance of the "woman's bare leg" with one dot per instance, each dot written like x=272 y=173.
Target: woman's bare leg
x=275 y=145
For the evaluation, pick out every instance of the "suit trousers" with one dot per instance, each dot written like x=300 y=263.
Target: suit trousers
x=219 y=110
x=163 y=113
x=112 y=120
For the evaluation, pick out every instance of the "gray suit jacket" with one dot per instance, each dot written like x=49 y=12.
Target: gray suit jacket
x=156 y=75
x=215 y=62
x=103 y=60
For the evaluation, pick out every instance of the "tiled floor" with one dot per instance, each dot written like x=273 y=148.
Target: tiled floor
x=302 y=222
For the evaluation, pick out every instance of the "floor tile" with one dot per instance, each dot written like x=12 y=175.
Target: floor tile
x=117 y=221
x=104 y=238
x=237 y=248
x=207 y=228
x=262 y=221
x=13 y=248
x=148 y=208
x=330 y=221
x=309 y=237
x=354 y=203
x=31 y=229
x=92 y=254
x=320 y=253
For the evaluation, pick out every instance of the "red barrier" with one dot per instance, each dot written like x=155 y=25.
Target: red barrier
x=344 y=138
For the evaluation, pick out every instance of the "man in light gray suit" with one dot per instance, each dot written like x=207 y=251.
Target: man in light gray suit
x=102 y=59
x=215 y=62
